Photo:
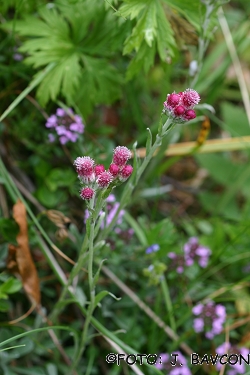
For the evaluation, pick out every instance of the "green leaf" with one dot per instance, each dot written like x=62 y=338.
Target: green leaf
x=220 y=167
x=60 y=178
x=50 y=199
x=80 y=296
x=138 y=230
x=103 y=294
x=235 y=120
x=189 y=9
x=96 y=277
x=8 y=229
x=100 y=82
x=4 y=305
x=11 y=286
x=151 y=33
x=132 y=8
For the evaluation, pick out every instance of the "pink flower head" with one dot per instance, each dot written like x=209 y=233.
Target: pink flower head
x=99 y=169
x=85 y=168
x=114 y=169
x=190 y=98
x=126 y=172
x=104 y=179
x=121 y=155
x=180 y=105
x=87 y=193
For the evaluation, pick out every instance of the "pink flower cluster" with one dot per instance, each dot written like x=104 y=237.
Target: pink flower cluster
x=180 y=105
x=209 y=316
x=193 y=252
x=66 y=126
x=236 y=358
x=96 y=177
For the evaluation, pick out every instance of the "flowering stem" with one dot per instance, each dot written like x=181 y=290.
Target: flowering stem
x=168 y=302
x=91 y=305
x=163 y=130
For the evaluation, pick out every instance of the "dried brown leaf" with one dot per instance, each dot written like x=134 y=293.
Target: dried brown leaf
x=20 y=260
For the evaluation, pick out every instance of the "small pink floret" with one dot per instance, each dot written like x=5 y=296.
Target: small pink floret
x=87 y=193
x=99 y=169
x=173 y=100
x=126 y=172
x=114 y=169
x=84 y=165
x=189 y=114
x=121 y=155
x=104 y=179
x=179 y=111
x=190 y=98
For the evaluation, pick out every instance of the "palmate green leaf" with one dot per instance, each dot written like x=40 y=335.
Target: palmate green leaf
x=61 y=35
x=64 y=77
x=99 y=83
x=151 y=33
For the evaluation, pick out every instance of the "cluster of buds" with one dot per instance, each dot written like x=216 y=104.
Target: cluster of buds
x=180 y=105
x=66 y=126
x=95 y=177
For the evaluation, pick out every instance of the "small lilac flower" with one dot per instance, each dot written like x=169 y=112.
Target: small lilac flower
x=61 y=130
x=63 y=139
x=197 y=310
x=209 y=316
x=178 y=366
x=51 y=122
x=87 y=193
x=104 y=179
x=121 y=155
x=67 y=125
x=152 y=249
x=194 y=251
x=198 y=324
x=239 y=367
x=60 y=112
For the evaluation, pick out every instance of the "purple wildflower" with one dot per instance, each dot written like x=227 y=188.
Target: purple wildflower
x=66 y=124
x=209 y=316
x=152 y=249
x=178 y=365
x=237 y=365
x=194 y=251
